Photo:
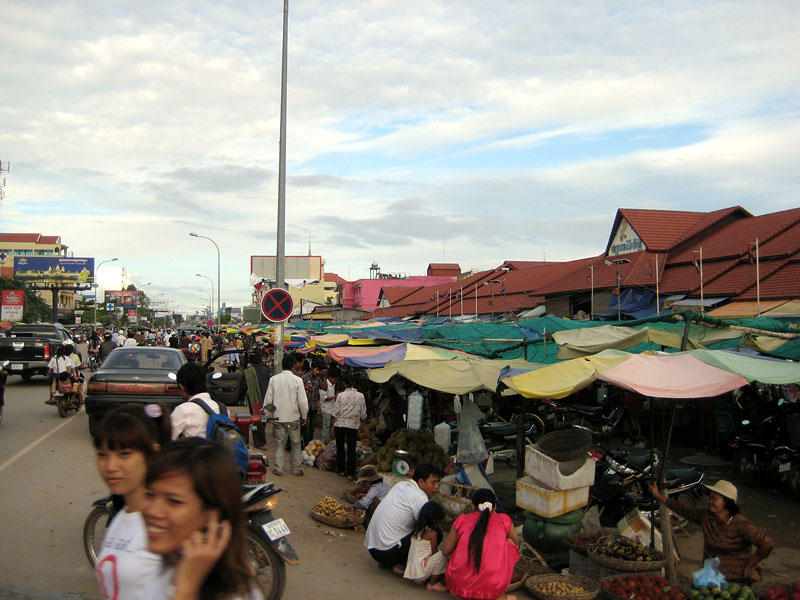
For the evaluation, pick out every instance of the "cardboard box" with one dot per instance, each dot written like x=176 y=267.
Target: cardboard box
x=537 y=498
x=556 y=475
x=636 y=526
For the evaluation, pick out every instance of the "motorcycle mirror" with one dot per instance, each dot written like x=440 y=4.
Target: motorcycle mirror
x=270 y=407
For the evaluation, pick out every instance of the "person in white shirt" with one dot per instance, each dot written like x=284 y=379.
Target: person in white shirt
x=126 y=439
x=77 y=365
x=120 y=339
x=327 y=404
x=189 y=419
x=60 y=366
x=389 y=532
x=287 y=392
x=131 y=341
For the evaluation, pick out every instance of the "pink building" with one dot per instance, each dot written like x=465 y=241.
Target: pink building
x=363 y=294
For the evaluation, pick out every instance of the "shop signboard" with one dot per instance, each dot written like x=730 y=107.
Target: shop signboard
x=126 y=298
x=132 y=315
x=13 y=302
x=62 y=270
x=625 y=240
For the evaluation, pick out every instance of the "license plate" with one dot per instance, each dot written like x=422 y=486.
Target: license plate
x=784 y=467
x=276 y=529
x=17 y=366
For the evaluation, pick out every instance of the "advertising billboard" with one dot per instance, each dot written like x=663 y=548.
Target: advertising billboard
x=54 y=269
x=123 y=297
x=13 y=302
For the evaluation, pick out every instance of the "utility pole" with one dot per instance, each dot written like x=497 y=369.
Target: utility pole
x=280 y=258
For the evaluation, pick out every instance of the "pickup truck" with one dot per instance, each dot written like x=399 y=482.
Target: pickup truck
x=30 y=347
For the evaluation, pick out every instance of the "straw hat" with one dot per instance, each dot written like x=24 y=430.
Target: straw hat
x=724 y=488
x=368 y=473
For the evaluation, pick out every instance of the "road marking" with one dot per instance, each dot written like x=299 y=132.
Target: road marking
x=33 y=444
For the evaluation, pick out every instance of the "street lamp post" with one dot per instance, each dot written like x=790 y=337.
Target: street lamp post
x=219 y=290
x=491 y=283
x=95 y=285
x=210 y=299
x=211 y=281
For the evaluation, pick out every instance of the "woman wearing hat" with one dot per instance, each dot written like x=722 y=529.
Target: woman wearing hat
x=738 y=544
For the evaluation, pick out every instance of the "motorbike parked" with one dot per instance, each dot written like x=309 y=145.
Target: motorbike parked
x=268 y=549
x=606 y=418
x=770 y=447
x=500 y=435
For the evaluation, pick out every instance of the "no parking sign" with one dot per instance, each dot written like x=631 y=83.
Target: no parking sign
x=277 y=305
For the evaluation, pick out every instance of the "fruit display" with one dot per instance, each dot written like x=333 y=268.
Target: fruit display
x=623 y=548
x=559 y=588
x=727 y=591
x=331 y=507
x=314 y=448
x=641 y=587
x=367 y=433
x=418 y=443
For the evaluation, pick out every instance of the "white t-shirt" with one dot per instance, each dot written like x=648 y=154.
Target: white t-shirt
x=120 y=340
x=328 y=398
x=395 y=516
x=60 y=364
x=161 y=586
x=130 y=342
x=124 y=565
x=190 y=420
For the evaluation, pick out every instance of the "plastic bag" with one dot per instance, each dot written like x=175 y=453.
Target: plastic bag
x=326 y=461
x=308 y=459
x=709 y=574
x=471 y=448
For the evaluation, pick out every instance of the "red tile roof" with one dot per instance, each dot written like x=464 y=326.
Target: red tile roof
x=781 y=283
x=740 y=278
x=686 y=278
x=334 y=278
x=444 y=270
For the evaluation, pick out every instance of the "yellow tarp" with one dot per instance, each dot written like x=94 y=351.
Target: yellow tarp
x=787 y=309
x=742 y=309
x=326 y=340
x=562 y=379
x=587 y=341
x=458 y=376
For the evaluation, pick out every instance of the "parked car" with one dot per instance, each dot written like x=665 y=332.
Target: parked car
x=29 y=347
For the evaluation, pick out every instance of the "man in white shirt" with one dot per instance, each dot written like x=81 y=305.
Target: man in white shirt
x=188 y=419
x=120 y=339
x=130 y=341
x=287 y=392
x=327 y=404
x=389 y=532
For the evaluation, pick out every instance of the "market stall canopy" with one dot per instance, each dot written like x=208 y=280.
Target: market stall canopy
x=764 y=370
x=671 y=376
x=458 y=376
x=745 y=308
x=373 y=357
x=589 y=341
x=564 y=378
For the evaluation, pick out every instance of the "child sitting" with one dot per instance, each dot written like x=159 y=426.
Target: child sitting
x=426 y=563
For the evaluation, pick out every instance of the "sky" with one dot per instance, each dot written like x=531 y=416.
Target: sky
x=417 y=131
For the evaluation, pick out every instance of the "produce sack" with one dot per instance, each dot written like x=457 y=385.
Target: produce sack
x=362 y=452
x=709 y=574
x=326 y=461
x=471 y=448
x=308 y=459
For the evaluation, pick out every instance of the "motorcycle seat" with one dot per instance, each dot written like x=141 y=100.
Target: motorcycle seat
x=586 y=409
x=680 y=477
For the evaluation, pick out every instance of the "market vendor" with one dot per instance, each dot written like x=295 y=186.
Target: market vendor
x=737 y=542
x=389 y=532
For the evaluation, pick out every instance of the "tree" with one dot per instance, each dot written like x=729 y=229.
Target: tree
x=35 y=308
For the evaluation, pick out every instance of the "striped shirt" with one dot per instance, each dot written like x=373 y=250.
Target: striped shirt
x=395 y=516
x=350 y=409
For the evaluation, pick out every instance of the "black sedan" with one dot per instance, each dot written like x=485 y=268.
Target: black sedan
x=134 y=374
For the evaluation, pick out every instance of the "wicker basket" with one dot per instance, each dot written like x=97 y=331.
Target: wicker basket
x=530 y=561
x=588 y=537
x=590 y=585
x=565 y=444
x=341 y=522
x=515 y=585
x=626 y=566
x=612 y=596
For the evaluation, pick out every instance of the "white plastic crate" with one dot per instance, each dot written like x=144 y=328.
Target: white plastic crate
x=537 y=498
x=552 y=473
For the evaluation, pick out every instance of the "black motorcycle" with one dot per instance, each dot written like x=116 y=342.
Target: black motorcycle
x=268 y=549
x=605 y=419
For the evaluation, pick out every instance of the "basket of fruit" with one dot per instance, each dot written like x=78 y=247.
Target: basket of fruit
x=640 y=587
x=766 y=591
x=581 y=542
x=562 y=587
x=729 y=591
x=332 y=512
x=624 y=554
x=530 y=563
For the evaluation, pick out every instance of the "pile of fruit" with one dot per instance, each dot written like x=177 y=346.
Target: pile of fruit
x=331 y=507
x=314 y=448
x=419 y=444
x=367 y=433
x=558 y=588
x=641 y=587
x=777 y=592
x=625 y=549
x=727 y=591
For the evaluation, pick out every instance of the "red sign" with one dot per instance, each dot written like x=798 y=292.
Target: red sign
x=210 y=322
x=277 y=305
x=12 y=305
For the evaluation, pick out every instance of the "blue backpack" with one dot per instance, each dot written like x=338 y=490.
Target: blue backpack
x=221 y=430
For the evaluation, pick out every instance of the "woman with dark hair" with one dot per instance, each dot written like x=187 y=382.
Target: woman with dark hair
x=426 y=563
x=483 y=549
x=348 y=412
x=737 y=542
x=194 y=518
x=125 y=440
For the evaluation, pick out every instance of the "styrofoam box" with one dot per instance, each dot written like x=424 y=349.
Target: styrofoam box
x=549 y=471
x=537 y=498
x=636 y=526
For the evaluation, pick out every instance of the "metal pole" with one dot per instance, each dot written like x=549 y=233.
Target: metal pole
x=666 y=522
x=758 y=285
x=619 y=294
x=702 y=306
x=95 y=285
x=491 y=287
x=280 y=258
x=658 y=302
x=591 y=309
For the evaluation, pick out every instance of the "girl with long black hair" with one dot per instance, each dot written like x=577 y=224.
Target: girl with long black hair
x=426 y=563
x=483 y=549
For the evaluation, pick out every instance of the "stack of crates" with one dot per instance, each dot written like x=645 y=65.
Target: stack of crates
x=550 y=488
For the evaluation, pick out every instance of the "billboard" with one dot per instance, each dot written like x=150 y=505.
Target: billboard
x=54 y=269
x=307 y=268
x=123 y=297
x=13 y=302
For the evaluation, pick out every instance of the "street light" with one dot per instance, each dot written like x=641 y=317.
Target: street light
x=219 y=290
x=211 y=281
x=95 y=284
x=618 y=262
x=152 y=307
x=210 y=298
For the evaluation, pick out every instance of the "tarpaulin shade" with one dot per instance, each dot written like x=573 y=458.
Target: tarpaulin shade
x=671 y=376
x=632 y=300
x=565 y=378
x=745 y=308
x=753 y=369
x=374 y=357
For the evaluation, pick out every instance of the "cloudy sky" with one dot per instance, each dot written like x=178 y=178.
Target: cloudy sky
x=472 y=131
